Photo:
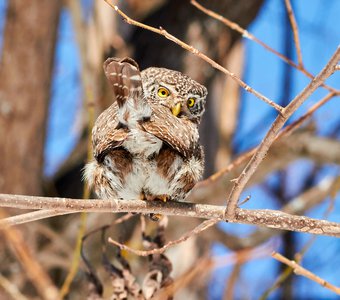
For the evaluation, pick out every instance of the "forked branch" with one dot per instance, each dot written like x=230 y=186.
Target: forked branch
x=261 y=151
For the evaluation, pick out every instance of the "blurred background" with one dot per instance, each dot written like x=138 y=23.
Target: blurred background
x=52 y=88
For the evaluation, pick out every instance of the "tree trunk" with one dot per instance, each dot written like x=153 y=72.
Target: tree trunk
x=25 y=78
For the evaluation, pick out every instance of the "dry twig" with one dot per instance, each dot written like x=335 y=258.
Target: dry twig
x=293 y=23
x=248 y=35
x=303 y=272
x=30 y=217
x=196 y=52
x=198 y=229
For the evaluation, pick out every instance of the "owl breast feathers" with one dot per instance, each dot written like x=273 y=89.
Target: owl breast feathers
x=146 y=144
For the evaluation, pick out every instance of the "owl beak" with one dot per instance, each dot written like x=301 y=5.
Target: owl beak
x=176 y=109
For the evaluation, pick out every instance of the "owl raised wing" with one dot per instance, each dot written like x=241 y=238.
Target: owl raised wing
x=112 y=126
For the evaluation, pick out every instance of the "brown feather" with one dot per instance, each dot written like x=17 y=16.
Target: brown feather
x=167 y=127
x=125 y=78
x=106 y=135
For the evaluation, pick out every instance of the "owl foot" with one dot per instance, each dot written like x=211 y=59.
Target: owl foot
x=164 y=198
x=142 y=196
x=156 y=217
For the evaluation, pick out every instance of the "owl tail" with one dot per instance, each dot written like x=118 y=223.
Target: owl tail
x=125 y=79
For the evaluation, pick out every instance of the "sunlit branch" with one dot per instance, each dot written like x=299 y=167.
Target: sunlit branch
x=268 y=218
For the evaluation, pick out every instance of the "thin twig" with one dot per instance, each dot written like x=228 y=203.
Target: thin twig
x=299 y=270
x=201 y=227
x=246 y=34
x=261 y=217
x=263 y=148
x=231 y=281
x=120 y=220
x=293 y=23
x=337 y=67
x=11 y=289
x=30 y=217
x=196 y=52
x=294 y=125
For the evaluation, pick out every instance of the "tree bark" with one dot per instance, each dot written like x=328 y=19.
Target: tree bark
x=25 y=78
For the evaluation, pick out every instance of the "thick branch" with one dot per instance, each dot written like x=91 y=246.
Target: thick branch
x=267 y=218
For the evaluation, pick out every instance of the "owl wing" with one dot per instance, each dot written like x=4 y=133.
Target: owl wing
x=124 y=78
x=106 y=134
x=180 y=134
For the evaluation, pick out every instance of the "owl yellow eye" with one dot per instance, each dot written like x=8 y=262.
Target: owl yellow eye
x=191 y=102
x=163 y=92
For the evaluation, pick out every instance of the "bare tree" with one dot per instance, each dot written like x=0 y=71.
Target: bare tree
x=215 y=199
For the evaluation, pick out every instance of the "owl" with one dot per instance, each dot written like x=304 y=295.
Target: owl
x=146 y=144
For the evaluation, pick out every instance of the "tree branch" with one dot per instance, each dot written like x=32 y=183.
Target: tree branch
x=246 y=34
x=259 y=155
x=196 y=52
x=294 y=26
x=304 y=272
x=32 y=216
x=268 y=218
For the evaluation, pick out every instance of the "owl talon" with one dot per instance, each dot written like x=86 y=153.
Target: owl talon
x=163 y=198
x=155 y=217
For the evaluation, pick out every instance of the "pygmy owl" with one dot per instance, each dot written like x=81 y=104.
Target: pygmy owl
x=146 y=144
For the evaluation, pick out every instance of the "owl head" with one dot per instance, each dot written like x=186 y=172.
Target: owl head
x=182 y=95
